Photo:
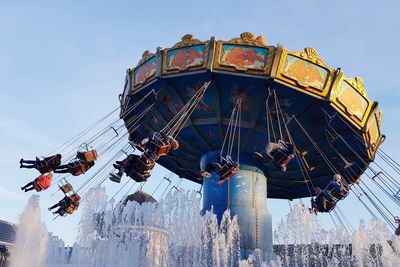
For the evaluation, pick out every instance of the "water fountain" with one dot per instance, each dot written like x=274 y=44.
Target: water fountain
x=173 y=233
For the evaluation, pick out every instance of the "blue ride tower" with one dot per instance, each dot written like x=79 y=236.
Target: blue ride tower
x=245 y=195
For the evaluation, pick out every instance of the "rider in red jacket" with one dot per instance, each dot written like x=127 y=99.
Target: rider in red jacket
x=42 y=182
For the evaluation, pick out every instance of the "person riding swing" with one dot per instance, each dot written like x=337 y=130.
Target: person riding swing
x=42 y=182
x=45 y=165
x=336 y=190
x=136 y=167
x=280 y=153
x=139 y=167
x=68 y=205
x=226 y=168
x=76 y=167
x=159 y=145
x=83 y=161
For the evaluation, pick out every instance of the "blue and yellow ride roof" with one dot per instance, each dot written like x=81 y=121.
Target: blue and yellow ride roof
x=329 y=116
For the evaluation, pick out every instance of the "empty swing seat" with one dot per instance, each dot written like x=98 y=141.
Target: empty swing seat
x=90 y=155
x=66 y=188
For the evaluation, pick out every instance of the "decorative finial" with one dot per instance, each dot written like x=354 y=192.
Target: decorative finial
x=187 y=38
x=247 y=36
x=145 y=56
x=311 y=53
x=359 y=81
x=261 y=39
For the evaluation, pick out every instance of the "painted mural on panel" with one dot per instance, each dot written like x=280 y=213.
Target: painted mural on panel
x=170 y=103
x=355 y=104
x=142 y=73
x=243 y=93
x=202 y=107
x=243 y=57
x=305 y=72
x=184 y=58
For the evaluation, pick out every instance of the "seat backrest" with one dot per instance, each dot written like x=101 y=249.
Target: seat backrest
x=66 y=188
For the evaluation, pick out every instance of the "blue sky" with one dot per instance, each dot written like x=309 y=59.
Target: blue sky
x=62 y=65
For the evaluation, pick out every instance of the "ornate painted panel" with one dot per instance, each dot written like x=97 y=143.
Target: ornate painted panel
x=305 y=71
x=144 y=72
x=243 y=57
x=246 y=54
x=352 y=100
x=348 y=96
x=187 y=57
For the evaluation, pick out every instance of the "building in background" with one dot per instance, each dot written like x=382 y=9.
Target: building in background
x=7 y=239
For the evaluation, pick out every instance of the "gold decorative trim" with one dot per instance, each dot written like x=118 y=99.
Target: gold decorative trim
x=145 y=56
x=186 y=40
x=249 y=38
x=311 y=54
x=378 y=116
x=358 y=84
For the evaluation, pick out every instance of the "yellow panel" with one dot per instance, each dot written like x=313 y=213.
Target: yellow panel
x=305 y=71
x=349 y=97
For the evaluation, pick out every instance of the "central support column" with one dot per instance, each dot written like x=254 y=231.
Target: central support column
x=245 y=194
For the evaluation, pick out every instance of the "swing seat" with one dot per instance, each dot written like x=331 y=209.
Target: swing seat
x=37 y=187
x=66 y=188
x=285 y=161
x=158 y=148
x=90 y=155
x=42 y=166
x=78 y=169
x=140 y=169
x=340 y=195
x=281 y=158
x=115 y=178
x=226 y=171
x=72 y=208
x=330 y=205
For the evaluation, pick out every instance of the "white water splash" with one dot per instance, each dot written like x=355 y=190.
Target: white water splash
x=31 y=239
x=169 y=233
x=173 y=233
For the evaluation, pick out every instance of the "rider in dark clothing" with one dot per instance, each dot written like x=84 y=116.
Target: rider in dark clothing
x=320 y=202
x=76 y=167
x=281 y=153
x=225 y=168
x=46 y=165
x=67 y=205
x=335 y=185
x=139 y=167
